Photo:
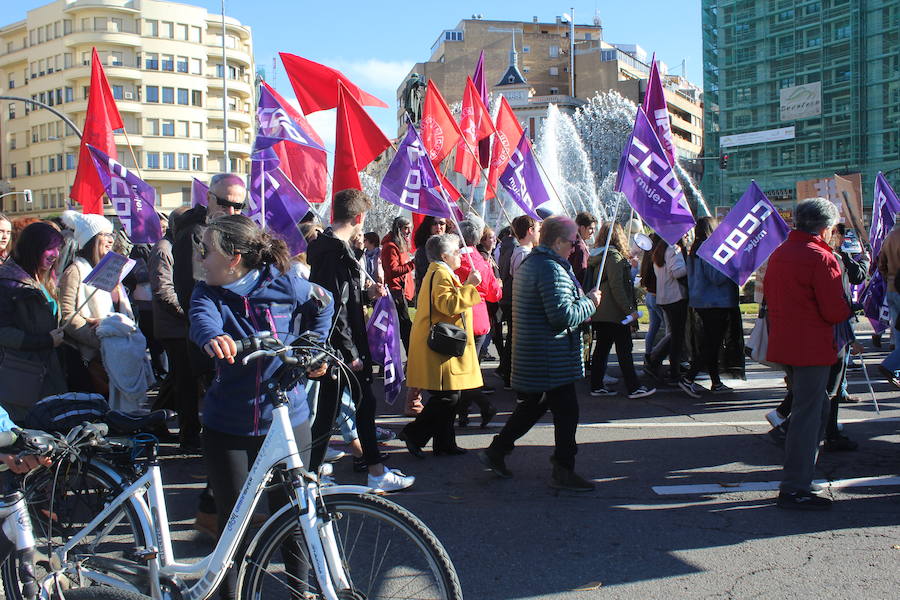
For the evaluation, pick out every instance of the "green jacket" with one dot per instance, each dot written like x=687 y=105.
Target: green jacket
x=616 y=287
x=547 y=310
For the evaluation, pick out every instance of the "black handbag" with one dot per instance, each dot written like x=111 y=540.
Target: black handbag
x=21 y=381
x=445 y=338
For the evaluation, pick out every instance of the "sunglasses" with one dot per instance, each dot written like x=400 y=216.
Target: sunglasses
x=227 y=203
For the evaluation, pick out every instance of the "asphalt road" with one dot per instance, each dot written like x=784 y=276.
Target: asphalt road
x=633 y=537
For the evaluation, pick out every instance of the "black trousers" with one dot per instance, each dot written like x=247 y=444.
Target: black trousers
x=435 y=421
x=563 y=403
x=506 y=352
x=402 y=306
x=714 y=320
x=605 y=335
x=467 y=397
x=496 y=328
x=324 y=425
x=184 y=387
x=676 y=315
x=228 y=461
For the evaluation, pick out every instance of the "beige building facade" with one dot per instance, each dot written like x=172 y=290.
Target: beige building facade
x=164 y=64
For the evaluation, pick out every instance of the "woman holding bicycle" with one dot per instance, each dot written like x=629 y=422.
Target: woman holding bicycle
x=249 y=287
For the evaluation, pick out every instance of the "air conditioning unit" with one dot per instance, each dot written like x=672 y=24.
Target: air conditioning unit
x=129 y=95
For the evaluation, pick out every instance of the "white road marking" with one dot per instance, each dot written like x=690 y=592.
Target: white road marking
x=769 y=486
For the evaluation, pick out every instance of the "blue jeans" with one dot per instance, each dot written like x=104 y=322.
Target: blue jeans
x=892 y=361
x=656 y=321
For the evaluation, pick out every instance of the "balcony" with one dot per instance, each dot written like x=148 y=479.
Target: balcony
x=234 y=148
x=111 y=5
x=239 y=87
x=94 y=38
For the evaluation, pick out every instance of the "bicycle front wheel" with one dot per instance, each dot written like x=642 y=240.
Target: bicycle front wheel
x=387 y=553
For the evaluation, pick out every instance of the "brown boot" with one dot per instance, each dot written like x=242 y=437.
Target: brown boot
x=413 y=402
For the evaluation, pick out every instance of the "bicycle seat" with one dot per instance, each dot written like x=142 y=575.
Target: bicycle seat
x=124 y=423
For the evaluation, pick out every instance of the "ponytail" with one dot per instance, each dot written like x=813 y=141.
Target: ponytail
x=237 y=234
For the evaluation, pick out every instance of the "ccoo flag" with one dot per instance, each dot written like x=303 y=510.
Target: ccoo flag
x=411 y=181
x=383 y=331
x=885 y=206
x=199 y=193
x=276 y=125
x=132 y=197
x=523 y=181
x=746 y=236
x=284 y=205
x=658 y=111
x=649 y=182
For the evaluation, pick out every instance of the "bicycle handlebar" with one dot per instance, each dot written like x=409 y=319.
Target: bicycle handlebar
x=35 y=442
x=264 y=343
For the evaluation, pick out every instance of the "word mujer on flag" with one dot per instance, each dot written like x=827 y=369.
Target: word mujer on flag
x=746 y=237
x=874 y=298
x=649 y=183
x=383 y=331
x=133 y=198
x=522 y=179
x=411 y=181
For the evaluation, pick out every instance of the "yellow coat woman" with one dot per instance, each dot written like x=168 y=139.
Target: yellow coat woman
x=442 y=298
x=449 y=301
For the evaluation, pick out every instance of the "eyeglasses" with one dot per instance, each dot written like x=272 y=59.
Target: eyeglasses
x=225 y=203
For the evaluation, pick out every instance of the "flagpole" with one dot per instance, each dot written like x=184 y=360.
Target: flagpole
x=137 y=165
x=611 y=223
x=486 y=178
x=550 y=181
x=262 y=194
x=227 y=167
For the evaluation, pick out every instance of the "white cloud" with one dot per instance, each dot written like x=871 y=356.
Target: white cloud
x=376 y=76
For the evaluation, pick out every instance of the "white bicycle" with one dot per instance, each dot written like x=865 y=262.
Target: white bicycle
x=332 y=543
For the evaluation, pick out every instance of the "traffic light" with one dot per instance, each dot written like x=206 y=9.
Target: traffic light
x=28 y=197
x=723 y=162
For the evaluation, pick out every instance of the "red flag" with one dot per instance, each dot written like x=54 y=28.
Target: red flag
x=438 y=128
x=102 y=117
x=451 y=190
x=316 y=85
x=484 y=146
x=475 y=123
x=306 y=167
x=509 y=132
x=358 y=142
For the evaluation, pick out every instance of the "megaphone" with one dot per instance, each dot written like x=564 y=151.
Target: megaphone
x=642 y=241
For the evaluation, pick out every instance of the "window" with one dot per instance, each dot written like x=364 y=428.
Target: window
x=115 y=59
x=116 y=24
x=12 y=142
x=152 y=127
x=12 y=171
x=167 y=29
x=196 y=129
x=12 y=110
x=453 y=36
x=182 y=96
x=168 y=95
x=168 y=63
x=184 y=129
x=70 y=161
x=196 y=98
x=220 y=71
x=51 y=164
x=151 y=61
x=151 y=28
x=195 y=34
x=152 y=160
x=69 y=94
x=181 y=32
x=526 y=49
x=168 y=127
x=196 y=66
x=554 y=51
x=100 y=24
x=67 y=60
x=554 y=71
x=554 y=91
x=196 y=162
x=842 y=31
x=183 y=159
x=59 y=96
x=118 y=92
x=181 y=64
x=152 y=93
x=67 y=26
x=168 y=160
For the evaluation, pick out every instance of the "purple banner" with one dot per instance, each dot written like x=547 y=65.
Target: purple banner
x=523 y=181
x=411 y=181
x=874 y=298
x=275 y=125
x=657 y=111
x=650 y=184
x=746 y=237
x=199 y=193
x=284 y=205
x=109 y=272
x=383 y=331
x=133 y=199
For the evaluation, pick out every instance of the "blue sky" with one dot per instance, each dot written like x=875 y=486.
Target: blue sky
x=375 y=43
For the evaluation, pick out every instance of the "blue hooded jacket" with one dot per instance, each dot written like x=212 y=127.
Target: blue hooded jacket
x=285 y=304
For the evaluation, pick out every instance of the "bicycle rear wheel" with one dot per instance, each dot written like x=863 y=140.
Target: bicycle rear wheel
x=387 y=553
x=60 y=505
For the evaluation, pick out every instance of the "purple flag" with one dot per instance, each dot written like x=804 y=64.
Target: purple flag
x=109 y=272
x=874 y=298
x=658 y=111
x=411 y=181
x=132 y=197
x=523 y=181
x=276 y=125
x=285 y=206
x=649 y=182
x=746 y=236
x=199 y=191
x=484 y=146
x=383 y=331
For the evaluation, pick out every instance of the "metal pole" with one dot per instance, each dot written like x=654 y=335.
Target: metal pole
x=67 y=120
x=225 y=96
x=611 y=224
x=262 y=194
x=572 y=53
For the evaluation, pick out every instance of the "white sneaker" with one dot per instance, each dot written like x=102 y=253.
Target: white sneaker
x=610 y=380
x=774 y=418
x=334 y=455
x=326 y=470
x=391 y=481
x=642 y=392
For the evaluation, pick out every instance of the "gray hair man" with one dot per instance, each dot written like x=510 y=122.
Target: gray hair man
x=805 y=298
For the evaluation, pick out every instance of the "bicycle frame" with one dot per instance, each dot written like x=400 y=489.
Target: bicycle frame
x=279 y=447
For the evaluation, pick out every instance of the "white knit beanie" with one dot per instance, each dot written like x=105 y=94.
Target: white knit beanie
x=68 y=218
x=87 y=226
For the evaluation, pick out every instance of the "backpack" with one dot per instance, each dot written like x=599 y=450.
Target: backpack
x=62 y=412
